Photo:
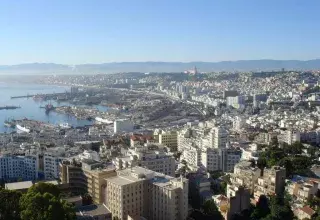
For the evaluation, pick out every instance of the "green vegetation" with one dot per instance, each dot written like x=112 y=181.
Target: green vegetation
x=9 y=205
x=272 y=208
x=209 y=208
x=288 y=156
x=41 y=202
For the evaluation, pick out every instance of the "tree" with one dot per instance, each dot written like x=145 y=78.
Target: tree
x=210 y=208
x=280 y=209
x=86 y=199
x=45 y=188
x=37 y=204
x=262 y=208
x=9 y=205
x=274 y=141
x=261 y=164
x=286 y=163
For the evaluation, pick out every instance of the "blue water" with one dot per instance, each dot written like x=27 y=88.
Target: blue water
x=30 y=108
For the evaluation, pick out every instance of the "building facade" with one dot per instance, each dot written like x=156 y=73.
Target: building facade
x=141 y=192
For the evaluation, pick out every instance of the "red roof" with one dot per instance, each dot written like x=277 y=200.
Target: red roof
x=308 y=210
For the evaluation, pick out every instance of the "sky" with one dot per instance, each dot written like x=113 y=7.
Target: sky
x=99 y=31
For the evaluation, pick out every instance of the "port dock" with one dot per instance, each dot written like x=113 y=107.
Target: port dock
x=42 y=95
x=7 y=107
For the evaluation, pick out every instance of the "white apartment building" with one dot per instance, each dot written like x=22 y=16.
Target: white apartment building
x=239 y=123
x=150 y=156
x=192 y=157
x=15 y=167
x=122 y=125
x=51 y=165
x=220 y=159
x=236 y=101
x=289 y=137
x=141 y=192
x=220 y=137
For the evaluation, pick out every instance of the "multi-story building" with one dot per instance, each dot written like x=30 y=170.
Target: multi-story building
x=244 y=175
x=220 y=159
x=302 y=190
x=220 y=137
x=239 y=200
x=289 y=137
x=138 y=140
x=236 y=101
x=192 y=157
x=239 y=123
x=168 y=138
x=51 y=166
x=122 y=125
x=272 y=182
x=16 y=167
x=90 y=177
x=141 y=192
x=72 y=174
x=150 y=156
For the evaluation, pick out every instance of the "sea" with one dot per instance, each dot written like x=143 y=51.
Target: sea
x=30 y=108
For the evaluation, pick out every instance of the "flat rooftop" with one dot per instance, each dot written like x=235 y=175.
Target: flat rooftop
x=92 y=210
x=18 y=185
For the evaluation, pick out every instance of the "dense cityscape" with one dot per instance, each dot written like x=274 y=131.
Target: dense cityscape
x=191 y=145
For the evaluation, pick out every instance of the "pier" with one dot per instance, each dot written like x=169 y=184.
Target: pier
x=40 y=95
x=8 y=107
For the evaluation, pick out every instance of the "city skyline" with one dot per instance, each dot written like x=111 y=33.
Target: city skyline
x=107 y=31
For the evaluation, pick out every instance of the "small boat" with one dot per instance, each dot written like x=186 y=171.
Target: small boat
x=65 y=125
x=23 y=129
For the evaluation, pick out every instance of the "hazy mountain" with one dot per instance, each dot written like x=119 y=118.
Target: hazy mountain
x=241 y=65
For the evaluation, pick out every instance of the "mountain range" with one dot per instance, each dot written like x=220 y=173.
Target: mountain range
x=241 y=65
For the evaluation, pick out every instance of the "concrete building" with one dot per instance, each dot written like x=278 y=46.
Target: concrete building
x=16 y=167
x=168 y=138
x=122 y=125
x=272 y=182
x=192 y=157
x=239 y=123
x=72 y=174
x=244 y=175
x=96 y=212
x=289 y=137
x=304 y=213
x=150 y=156
x=230 y=93
x=220 y=159
x=89 y=177
x=138 y=140
x=220 y=137
x=141 y=192
x=51 y=166
x=239 y=201
x=302 y=190
x=236 y=101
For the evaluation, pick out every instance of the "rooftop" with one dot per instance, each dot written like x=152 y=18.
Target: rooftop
x=91 y=211
x=18 y=185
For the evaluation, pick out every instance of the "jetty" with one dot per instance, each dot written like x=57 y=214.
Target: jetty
x=42 y=95
x=7 y=107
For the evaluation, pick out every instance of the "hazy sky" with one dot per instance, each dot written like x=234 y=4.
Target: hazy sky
x=97 y=31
